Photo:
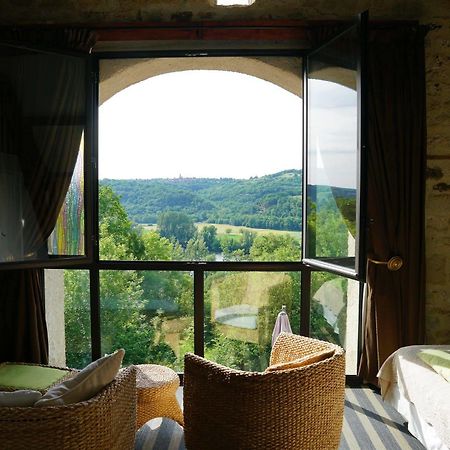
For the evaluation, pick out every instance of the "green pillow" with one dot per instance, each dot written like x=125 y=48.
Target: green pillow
x=439 y=360
x=24 y=376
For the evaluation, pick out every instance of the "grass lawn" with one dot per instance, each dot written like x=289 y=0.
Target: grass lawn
x=235 y=230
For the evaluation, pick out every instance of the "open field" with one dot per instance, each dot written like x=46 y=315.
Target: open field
x=222 y=229
x=235 y=230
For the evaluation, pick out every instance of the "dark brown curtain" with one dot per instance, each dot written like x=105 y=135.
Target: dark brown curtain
x=22 y=317
x=42 y=113
x=394 y=307
x=78 y=39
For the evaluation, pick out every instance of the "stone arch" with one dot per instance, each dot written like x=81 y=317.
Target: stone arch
x=118 y=74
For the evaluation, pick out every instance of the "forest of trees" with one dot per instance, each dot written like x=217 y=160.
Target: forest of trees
x=150 y=313
x=254 y=203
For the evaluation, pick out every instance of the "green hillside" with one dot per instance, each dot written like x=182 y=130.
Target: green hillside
x=271 y=201
x=268 y=202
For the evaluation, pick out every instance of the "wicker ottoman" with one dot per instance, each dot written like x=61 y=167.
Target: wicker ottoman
x=156 y=394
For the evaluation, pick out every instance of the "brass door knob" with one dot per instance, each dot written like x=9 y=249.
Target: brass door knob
x=393 y=264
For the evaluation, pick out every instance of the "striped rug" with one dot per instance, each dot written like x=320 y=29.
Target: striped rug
x=369 y=424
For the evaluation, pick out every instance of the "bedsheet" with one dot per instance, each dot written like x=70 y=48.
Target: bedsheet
x=420 y=385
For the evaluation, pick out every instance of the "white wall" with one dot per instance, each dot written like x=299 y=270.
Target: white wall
x=54 y=315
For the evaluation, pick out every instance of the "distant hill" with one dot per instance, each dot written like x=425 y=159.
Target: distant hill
x=271 y=201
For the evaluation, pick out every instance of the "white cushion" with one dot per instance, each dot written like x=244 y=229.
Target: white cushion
x=301 y=362
x=19 y=398
x=86 y=383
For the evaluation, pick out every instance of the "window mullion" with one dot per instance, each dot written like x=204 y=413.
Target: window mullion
x=92 y=195
x=305 y=302
x=199 y=311
x=94 y=277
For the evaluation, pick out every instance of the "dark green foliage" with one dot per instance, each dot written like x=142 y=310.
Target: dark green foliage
x=127 y=320
x=275 y=247
x=176 y=225
x=114 y=222
x=347 y=207
x=209 y=235
x=77 y=318
x=137 y=306
x=272 y=201
x=248 y=237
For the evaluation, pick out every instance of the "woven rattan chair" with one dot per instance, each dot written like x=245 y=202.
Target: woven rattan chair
x=104 y=422
x=300 y=408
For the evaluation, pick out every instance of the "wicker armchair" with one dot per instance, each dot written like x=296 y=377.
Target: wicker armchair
x=104 y=422
x=300 y=408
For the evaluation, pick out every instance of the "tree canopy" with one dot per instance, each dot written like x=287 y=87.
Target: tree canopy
x=177 y=225
x=271 y=201
x=150 y=313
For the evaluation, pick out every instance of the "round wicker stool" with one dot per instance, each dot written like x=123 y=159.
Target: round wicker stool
x=156 y=394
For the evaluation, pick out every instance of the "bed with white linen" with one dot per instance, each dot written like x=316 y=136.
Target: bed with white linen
x=419 y=394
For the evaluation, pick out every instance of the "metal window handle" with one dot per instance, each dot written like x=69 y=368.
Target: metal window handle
x=394 y=264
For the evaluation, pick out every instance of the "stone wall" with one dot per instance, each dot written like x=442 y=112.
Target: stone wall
x=438 y=89
x=101 y=11
x=438 y=183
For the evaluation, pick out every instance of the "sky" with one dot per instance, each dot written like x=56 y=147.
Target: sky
x=332 y=135
x=200 y=124
x=217 y=124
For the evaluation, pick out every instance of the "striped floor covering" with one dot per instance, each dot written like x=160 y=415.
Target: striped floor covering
x=369 y=424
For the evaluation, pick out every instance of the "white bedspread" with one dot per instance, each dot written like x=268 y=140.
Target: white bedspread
x=420 y=385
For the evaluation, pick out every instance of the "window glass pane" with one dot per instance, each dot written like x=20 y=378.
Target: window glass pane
x=332 y=153
x=67 y=308
x=67 y=237
x=240 y=313
x=202 y=180
x=148 y=313
x=335 y=313
x=41 y=128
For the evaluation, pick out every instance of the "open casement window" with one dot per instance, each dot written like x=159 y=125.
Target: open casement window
x=334 y=154
x=44 y=97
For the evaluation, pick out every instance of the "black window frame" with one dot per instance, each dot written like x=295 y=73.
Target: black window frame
x=91 y=260
x=198 y=268
x=68 y=261
x=337 y=265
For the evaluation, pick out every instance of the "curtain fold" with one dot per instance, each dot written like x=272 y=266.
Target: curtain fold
x=23 y=330
x=395 y=301
x=42 y=116
x=79 y=39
